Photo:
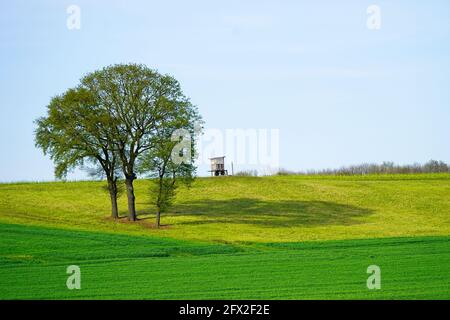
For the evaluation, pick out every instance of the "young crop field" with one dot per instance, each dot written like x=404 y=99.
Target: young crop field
x=34 y=262
x=282 y=237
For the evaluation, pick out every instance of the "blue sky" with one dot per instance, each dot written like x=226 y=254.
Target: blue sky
x=338 y=92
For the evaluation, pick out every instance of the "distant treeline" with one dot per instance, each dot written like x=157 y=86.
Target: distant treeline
x=432 y=166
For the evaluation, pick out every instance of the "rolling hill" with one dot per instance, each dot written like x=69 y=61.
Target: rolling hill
x=280 y=237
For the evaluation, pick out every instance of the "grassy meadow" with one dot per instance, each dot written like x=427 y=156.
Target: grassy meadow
x=280 y=237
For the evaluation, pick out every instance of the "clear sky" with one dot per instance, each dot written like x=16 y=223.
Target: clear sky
x=339 y=92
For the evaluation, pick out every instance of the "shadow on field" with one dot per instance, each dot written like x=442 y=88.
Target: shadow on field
x=270 y=213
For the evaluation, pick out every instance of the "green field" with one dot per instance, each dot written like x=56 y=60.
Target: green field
x=282 y=237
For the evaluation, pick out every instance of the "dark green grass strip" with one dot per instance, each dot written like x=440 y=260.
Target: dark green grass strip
x=37 y=245
x=33 y=265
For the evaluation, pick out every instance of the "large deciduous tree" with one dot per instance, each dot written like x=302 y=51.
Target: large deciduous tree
x=74 y=133
x=139 y=101
x=111 y=119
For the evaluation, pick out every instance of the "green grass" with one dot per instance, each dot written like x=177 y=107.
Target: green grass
x=248 y=209
x=282 y=237
x=33 y=265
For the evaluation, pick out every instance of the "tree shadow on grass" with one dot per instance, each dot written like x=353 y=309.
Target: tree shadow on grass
x=280 y=213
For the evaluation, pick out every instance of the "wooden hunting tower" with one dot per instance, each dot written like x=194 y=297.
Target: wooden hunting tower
x=218 y=166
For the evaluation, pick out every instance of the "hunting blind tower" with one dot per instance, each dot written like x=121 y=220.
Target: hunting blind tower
x=218 y=166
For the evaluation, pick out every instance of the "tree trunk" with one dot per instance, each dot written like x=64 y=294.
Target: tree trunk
x=114 y=209
x=131 y=199
x=158 y=201
x=113 y=194
x=158 y=219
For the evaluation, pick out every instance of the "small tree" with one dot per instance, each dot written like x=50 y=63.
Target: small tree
x=75 y=133
x=171 y=162
x=167 y=175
